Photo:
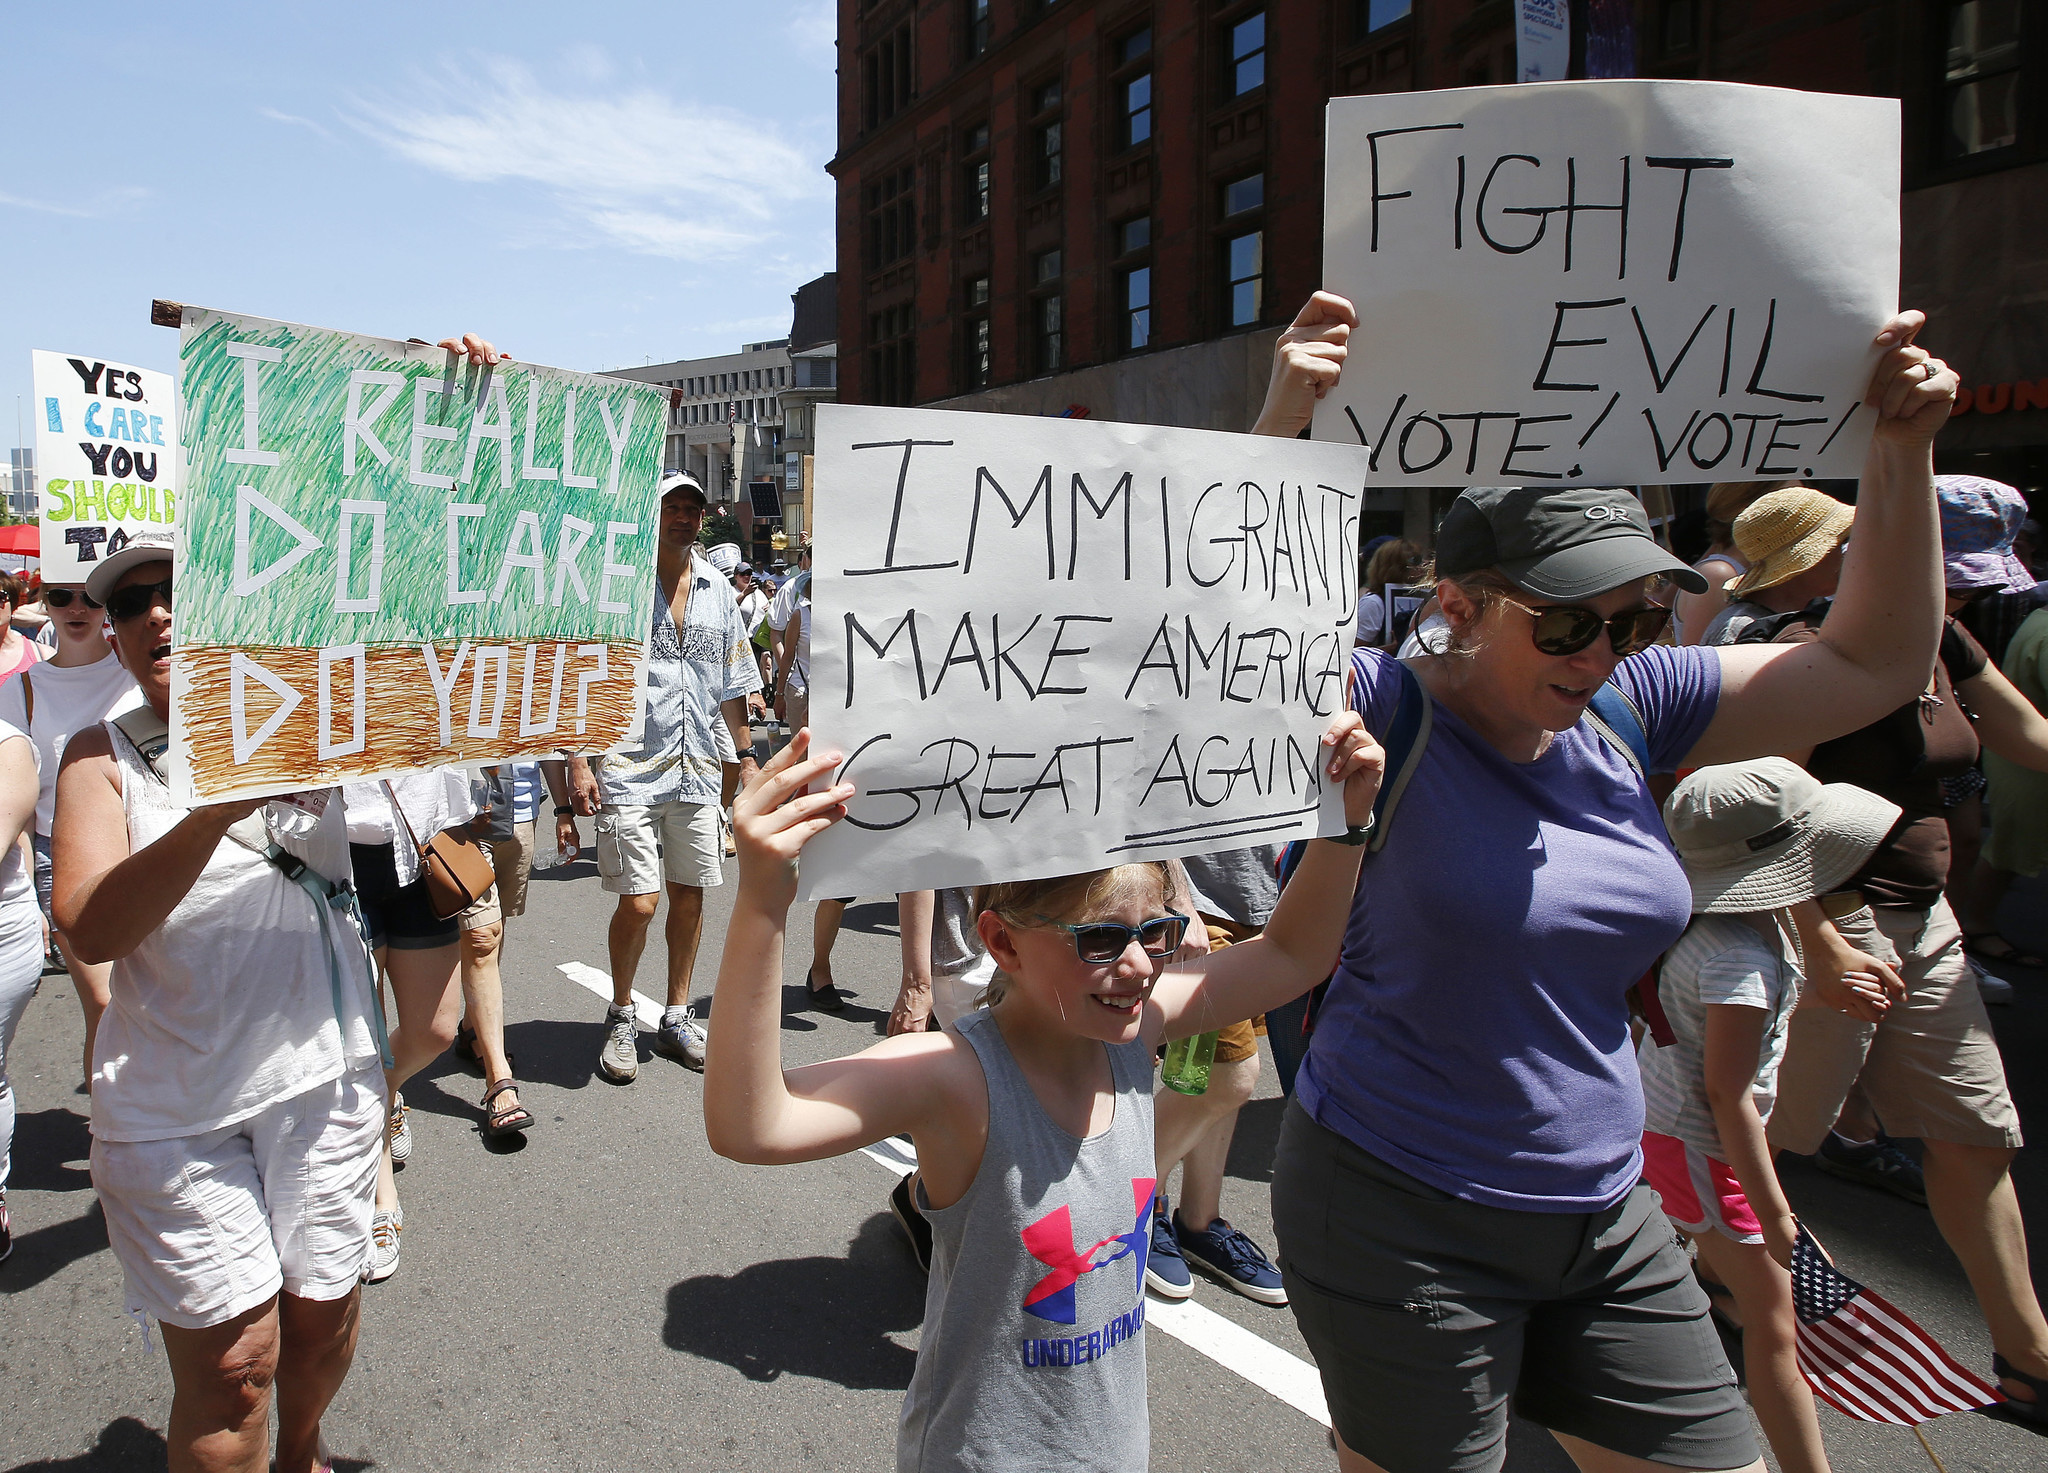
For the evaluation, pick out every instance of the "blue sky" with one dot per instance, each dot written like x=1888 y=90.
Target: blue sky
x=592 y=185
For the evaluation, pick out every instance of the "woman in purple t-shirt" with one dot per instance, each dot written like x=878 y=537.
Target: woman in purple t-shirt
x=1458 y=1194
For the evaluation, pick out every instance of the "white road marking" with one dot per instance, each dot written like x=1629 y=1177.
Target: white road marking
x=1276 y=1371
x=644 y=1007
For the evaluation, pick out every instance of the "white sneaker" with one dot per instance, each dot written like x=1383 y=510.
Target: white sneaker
x=383 y=1260
x=619 y=1059
x=399 y=1132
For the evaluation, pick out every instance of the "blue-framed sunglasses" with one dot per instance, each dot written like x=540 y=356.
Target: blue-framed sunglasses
x=1104 y=941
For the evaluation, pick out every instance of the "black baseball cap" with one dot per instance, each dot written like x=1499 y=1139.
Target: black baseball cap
x=1563 y=544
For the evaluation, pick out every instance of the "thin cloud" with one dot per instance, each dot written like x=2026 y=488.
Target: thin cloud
x=815 y=28
x=43 y=208
x=293 y=119
x=636 y=169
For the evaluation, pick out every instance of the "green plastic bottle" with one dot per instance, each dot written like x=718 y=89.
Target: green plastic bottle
x=1186 y=1068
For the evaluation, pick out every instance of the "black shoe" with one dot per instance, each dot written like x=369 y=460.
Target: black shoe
x=7 y=1230
x=1876 y=1163
x=915 y=1228
x=826 y=999
x=2030 y=1414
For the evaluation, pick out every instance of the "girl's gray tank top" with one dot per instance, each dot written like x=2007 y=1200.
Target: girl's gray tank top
x=1033 y=1354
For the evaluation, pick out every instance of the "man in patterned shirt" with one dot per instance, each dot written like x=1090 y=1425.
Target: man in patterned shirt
x=657 y=805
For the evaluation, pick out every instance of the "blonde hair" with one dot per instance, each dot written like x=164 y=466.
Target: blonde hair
x=1026 y=903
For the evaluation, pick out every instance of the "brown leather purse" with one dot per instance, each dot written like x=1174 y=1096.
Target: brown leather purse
x=457 y=871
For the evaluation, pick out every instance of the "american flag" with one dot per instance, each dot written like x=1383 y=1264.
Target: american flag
x=1864 y=1358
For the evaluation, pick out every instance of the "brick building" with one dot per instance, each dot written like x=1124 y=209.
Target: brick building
x=1113 y=204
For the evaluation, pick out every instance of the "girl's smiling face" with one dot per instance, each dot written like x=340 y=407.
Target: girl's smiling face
x=1098 y=1000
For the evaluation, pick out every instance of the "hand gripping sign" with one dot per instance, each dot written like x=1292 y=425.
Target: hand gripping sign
x=1047 y=645
x=1610 y=283
x=388 y=559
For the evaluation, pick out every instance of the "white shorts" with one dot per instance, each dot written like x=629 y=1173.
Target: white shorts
x=638 y=844
x=208 y=1227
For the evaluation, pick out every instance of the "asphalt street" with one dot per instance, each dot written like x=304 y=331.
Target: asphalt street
x=612 y=1295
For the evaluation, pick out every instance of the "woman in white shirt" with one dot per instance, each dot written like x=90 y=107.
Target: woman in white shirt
x=49 y=702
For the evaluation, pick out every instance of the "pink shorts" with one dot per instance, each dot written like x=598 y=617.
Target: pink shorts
x=1698 y=1191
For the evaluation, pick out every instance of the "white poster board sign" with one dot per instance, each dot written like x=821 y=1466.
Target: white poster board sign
x=107 y=452
x=1610 y=283
x=1048 y=645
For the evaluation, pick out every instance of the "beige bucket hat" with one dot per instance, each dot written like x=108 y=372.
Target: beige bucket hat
x=1783 y=534
x=1765 y=834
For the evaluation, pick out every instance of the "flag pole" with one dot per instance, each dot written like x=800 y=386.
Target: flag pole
x=1928 y=1448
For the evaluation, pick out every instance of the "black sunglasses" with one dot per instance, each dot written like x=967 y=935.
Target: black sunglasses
x=125 y=603
x=1565 y=629
x=1104 y=941
x=60 y=598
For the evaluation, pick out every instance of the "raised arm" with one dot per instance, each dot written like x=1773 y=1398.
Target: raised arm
x=1299 y=946
x=1878 y=643
x=1307 y=362
x=2007 y=722
x=754 y=1109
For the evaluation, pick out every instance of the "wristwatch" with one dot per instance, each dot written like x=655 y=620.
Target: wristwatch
x=563 y=810
x=1357 y=834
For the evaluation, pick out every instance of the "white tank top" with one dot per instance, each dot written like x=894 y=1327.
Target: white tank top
x=227 y=1007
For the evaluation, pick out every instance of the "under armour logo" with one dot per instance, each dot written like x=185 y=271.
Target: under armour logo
x=1050 y=1240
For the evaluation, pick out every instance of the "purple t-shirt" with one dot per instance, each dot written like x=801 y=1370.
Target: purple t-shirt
x=1476 y=1034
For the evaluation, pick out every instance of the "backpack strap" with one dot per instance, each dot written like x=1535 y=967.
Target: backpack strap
x=28 y=700
x=1407 y=736
x=1618 y=723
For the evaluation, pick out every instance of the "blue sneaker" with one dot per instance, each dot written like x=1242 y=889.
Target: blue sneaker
x=1166 y=1272
x=1232 y=1259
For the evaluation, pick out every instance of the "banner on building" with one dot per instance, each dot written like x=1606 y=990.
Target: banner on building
x=1046 y=645
x=107 y=451
x=1543 y=40
x=390 y=560
x=1610 y=283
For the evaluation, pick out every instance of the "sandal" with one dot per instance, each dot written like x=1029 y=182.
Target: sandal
x=465 y=1049
x=507 y=1120
x=2033 y=1414
x=1981 y=944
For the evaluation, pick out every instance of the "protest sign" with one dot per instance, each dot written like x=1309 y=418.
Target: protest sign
x=1047 y=645
x=390 y=560
x=1610 y=283
x=107 y=450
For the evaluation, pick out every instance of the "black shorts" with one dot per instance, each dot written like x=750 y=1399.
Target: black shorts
x=399 y=916
x=1426 y=1313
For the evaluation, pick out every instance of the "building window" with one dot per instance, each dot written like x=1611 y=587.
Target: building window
x=1134 y=235
x=1046 y=313
x=976 y=360
x=1246 y=52
x=1135 y=295
x=1981 y=80
x=1368 y=16
x=889 y=77
x=1132 y=88
x=1045 y=266
x=892 y=355
x=1677 y=33
x=974 y=192
x=892 y=218
x=1241 y=195
x=1045 y=137
x=977 y=27
x=1243 y=256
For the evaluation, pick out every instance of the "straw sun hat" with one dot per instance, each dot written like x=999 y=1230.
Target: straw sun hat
x=1765 y=834
x=1783 y=534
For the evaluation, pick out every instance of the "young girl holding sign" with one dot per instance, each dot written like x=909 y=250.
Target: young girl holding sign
x=1032 y=1122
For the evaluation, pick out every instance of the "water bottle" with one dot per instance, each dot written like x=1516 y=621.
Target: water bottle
x=1186 y=1068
